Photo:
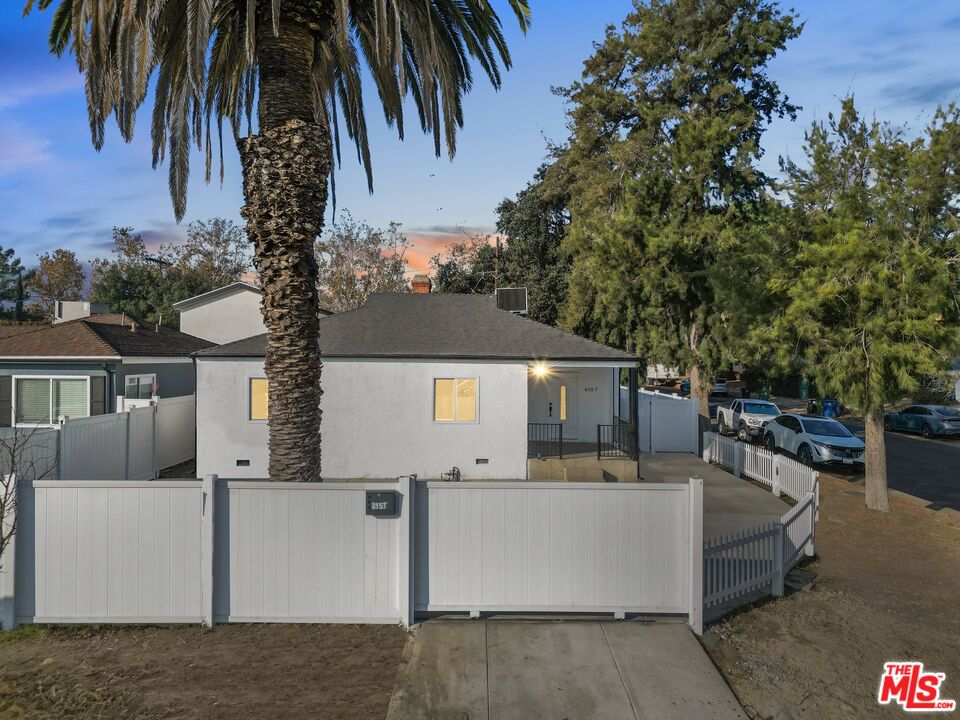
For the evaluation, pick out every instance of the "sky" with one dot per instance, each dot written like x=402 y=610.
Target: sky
x=899 y=59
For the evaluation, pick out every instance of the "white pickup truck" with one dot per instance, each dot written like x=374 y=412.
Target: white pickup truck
x=747 y=418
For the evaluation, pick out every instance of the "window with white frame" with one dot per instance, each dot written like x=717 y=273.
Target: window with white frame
x=455 y=399
x=139 y=387
x=41 y=400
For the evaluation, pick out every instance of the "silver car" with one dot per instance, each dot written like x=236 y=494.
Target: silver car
x=928 y=420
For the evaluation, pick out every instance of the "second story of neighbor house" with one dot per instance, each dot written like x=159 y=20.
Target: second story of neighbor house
x=90 y=365
x=229 y=313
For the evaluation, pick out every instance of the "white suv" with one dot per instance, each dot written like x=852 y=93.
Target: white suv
x=814 y=440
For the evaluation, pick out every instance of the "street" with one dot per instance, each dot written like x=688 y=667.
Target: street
x=928 y=469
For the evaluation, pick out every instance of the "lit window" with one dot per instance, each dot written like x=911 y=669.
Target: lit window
x=258 y=398
x=455 y=399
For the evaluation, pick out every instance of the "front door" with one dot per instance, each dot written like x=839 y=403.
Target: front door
x=554 y=400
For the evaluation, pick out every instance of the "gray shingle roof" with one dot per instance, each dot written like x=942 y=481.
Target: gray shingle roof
x=407 y=325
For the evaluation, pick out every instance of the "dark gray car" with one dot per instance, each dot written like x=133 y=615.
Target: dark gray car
x=928 y=420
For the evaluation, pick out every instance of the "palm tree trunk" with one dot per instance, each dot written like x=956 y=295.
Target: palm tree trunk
x=285 y=169
x=876 y=460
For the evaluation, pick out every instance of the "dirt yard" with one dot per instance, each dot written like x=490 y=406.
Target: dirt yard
x=887 y=588
x=282 y=672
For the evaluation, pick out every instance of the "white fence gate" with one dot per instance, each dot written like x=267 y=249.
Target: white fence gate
x=190 y=551
x=667 y=423
x=560 y=547
x=131 y=445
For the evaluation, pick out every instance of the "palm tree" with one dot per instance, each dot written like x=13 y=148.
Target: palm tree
x=297 y=66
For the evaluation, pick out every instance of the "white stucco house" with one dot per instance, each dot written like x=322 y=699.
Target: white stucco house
x=229 y=313
x=420 y=384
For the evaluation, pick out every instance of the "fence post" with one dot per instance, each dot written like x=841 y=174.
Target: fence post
x=778 y=560
x=156 y=420
x=407 y=558
x=809 y=549
x=775 y=486
x=126 y=445
x=208 y=493
x=8 y=569
x=816 y=497
x=696 y=555
x=737 y=462
x=61 y=445
x=707 y=447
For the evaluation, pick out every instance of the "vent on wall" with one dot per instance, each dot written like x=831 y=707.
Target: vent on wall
x=512 y=300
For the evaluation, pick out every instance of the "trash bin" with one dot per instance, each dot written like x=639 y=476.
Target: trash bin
x=804 y=389
x=831 y=408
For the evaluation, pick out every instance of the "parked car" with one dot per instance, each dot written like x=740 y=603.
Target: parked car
x=748 y=418
x=928 y=420
x=814 y=440
x=720 y=387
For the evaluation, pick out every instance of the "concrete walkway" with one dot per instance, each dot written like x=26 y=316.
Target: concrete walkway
x=729 y=503
x=573 y=670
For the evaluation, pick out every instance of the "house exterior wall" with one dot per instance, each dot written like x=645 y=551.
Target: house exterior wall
x=377 y=420
x=225 y=319
x=175 y=377
x=595 y=389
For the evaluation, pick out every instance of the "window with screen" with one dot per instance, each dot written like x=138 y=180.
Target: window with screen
x=40 y=401
x=259 y=393
x=455 y=400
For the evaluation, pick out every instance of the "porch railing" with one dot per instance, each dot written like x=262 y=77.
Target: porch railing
x=619 y=439
x=544 y=440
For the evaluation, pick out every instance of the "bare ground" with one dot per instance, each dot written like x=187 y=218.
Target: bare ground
x=888 y=588
x=233 y=671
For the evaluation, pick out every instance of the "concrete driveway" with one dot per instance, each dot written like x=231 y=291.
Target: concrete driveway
x=556 y=670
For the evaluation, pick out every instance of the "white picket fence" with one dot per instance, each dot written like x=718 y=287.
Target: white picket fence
x=131 y=445
x=743 y=563
x=781 y=474
x=738 y=565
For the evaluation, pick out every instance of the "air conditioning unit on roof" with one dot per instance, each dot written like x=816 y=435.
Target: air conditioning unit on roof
x=512 y=300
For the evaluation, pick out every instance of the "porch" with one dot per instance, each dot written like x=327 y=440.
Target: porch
x=578 y=423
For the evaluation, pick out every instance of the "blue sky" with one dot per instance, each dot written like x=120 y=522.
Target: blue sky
x=56 y=191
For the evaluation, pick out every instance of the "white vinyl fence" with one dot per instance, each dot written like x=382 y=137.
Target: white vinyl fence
x=191 y=551
x=131 y=445
x=667 y=422
x=560 y=547
x=251 y=551
x=308 y=552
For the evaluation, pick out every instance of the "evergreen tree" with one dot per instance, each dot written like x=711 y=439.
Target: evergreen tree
x=661 y=170
x=871 y=298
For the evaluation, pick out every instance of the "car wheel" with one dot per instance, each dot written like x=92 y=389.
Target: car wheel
x=722 y=426
x=742 y=435
x=926 y=431
x=805 y=456
x=769 y=442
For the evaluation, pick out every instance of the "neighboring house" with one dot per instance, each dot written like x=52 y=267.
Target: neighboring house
x=91 y=365
x=229 y=313
x=420 y=383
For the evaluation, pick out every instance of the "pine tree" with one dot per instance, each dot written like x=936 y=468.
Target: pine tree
x=871 y=298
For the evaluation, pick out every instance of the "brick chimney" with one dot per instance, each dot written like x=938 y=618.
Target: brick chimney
x=421 y=284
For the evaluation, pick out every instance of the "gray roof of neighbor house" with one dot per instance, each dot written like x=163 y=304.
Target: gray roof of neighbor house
x=231 y=289
x=107 y=335
x=409 y=325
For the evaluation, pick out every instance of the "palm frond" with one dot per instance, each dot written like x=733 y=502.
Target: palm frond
x=202 y=56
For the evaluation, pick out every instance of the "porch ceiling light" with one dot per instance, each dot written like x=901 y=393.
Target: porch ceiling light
x=540 y=370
